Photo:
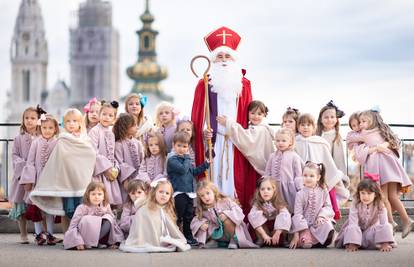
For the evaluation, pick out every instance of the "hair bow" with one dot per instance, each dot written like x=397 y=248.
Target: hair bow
x=314 y=164
x=40 y=111
x=42 y=118
x=154 y=183
x=293 y=109
x=376 y=108
x=184 y=118
x=372 y=176
x=114 y=104
x=143 y=99
x=339 y=113
x=88 y=106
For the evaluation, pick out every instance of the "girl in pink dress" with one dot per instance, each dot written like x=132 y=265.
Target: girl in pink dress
x=219 y=220
x=285 y=167
x=39 y=153
x=269 y=215
x=165 y=122
x=154 y=164
x=137 y=190
x=21 y=147
x=93 y=224
x=313 y=216
x=129 y=152
x=91 y=116
x=367 y=226
x=311 y=147
x=393 y=178
x=106 y=168
x=290 y=119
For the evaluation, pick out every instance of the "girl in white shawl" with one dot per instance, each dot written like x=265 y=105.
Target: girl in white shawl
x=255 y=142
x=154 y=227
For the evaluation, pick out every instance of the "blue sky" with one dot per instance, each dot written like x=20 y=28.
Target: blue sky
x=297 y=53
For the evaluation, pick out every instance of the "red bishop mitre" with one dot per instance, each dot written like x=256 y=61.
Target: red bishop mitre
x=222 y=37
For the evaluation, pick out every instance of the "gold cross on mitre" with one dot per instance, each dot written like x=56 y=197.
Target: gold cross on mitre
x=224 y=34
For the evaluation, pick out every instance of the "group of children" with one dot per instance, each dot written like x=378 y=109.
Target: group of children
x=104 y=163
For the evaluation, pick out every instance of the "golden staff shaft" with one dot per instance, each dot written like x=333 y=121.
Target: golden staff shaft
x=206 y=111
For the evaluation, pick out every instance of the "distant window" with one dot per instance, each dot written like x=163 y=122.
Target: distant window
x=80 y=44
x=26 y=50
x=90 y=81
x=26 y=85
x=146 y=42
x=37 y=48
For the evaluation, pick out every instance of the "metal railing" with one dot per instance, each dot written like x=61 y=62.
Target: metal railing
x=407 y=145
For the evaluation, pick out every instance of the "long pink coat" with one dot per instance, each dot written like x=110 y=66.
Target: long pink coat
x=85 y=226
x=233 y=212
x=386 y=165
x=258 y=217
x=367 y=226
x=310 y=204
x=128 y=213
x=21 y=147
x=151 y=168
x=128 y=153
x=38 y=155
x=104 y=142
x=286 y=168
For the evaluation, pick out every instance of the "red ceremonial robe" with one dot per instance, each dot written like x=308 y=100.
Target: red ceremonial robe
x=244 y=174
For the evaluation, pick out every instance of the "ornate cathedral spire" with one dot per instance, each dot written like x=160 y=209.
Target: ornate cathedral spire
x=146 y=72
x=29 y=59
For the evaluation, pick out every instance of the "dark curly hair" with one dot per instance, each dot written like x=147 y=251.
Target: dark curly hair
x=122 y=124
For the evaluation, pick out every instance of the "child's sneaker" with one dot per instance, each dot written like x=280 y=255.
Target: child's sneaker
x=210 y=244
x=192 y=242
x=24 y=240
x=407 y=229
x=232 y=245
x=39 y=239
x=52 y=240
x=394 y=227
x=102 y=246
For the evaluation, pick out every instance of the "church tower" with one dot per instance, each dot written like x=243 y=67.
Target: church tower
x=29 y=59
x=94 y=54
x=146 y=72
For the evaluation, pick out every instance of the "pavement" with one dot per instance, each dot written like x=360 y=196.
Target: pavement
x=14 y=254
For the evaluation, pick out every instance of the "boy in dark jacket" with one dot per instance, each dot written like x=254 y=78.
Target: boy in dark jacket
x=181 y=174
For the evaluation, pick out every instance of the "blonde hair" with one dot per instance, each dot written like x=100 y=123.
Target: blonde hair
x=91 y=187
x=140 y=117
x=277 y=200
x=85 y=117
x=77 y=114
x=161 y=106
x=170 y=206
x=23 y=128
x=105 y=104
x=385 y=130
x=200 y=206
x=288 y=132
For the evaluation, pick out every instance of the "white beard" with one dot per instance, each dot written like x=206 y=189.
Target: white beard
x=226 y=80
